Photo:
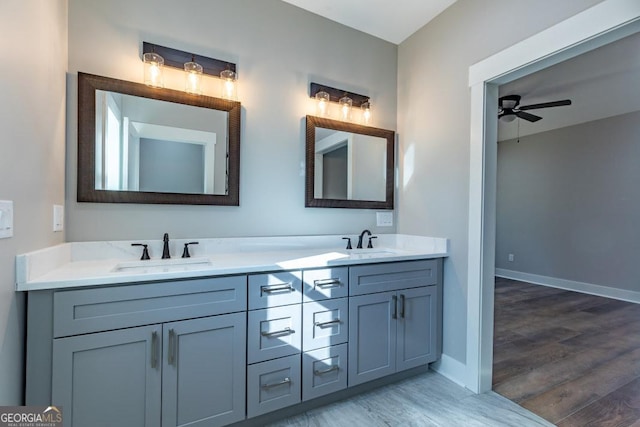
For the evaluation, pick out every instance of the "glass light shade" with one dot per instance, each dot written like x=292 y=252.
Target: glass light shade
x=508 y=118
x=366 y=112
x=153 y=64
x=322 y=104
x=193 y=78
x=345 y=107
x=229 y=83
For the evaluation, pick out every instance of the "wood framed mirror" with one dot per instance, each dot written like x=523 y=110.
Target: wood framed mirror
x=138 y=144
x=348 y=165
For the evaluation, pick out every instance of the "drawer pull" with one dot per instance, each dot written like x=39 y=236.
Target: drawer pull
x=172 y=347
x=329 y=323
x=277 y=288
x=394 y=301
x=326 y=371
x=327 y=283
x=402 y=305
x=287 y=380
x=285 y=331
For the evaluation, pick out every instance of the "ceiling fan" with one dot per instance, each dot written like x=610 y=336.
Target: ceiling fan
x=509 y=108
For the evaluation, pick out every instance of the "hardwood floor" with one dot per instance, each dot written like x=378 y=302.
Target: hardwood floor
x=422 y=401
x=572 y=358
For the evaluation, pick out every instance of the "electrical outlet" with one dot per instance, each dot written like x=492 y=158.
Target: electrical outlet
x=511 y=257
x=384 y=219
x=58 y=218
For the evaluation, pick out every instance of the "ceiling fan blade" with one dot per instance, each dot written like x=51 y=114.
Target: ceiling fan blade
x=529 y=117
x=546 y=105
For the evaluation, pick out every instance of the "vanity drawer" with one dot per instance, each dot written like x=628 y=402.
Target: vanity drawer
x=324 y=371
x=325 y=283
x=99 y=309
x=366 y=279
x=273 y=385
x=274 y=332
x=274 y=289
x=325 y=323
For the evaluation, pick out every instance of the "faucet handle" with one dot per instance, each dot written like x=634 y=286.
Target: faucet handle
x=185 y=252
x=370 y=246
x=348 y=239
x=145 y=250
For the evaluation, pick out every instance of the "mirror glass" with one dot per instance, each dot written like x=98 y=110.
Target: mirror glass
x=348 y=165
x=143 y=145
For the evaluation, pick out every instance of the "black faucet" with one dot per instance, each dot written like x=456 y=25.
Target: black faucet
x=360 y=238
x=165 y=248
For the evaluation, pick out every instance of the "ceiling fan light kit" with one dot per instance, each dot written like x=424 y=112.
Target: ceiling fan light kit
x=509 y=108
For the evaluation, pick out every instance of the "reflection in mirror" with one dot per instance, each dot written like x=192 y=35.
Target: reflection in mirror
x=142 y=145
x=348 y=165
x=135 y=152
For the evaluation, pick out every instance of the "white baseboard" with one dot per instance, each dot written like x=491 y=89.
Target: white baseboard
x=570 y=285
x=451 y=369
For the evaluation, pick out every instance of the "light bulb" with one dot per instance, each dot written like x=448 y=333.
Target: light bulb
x=229 y=84
x=153 y=64
x=366 y=112
x=322 y=99
x=193 y=78
x=345 y=107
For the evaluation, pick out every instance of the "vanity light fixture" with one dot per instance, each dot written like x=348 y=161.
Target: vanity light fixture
x=366 y=112
x=180 y=59
x=228 y=84
x=346 y=100
x=153 y=64
x=193 y=77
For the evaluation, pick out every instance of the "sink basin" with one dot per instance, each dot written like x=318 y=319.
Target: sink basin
x=162 y=265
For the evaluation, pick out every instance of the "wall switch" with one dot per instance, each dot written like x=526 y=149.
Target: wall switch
x=58 y=217
x=510 y=257
x=384 y=219
x=6 y=219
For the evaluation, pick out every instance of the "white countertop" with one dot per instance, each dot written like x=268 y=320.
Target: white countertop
x=79 y=264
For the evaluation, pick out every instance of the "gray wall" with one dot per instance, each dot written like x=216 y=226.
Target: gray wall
x=32 y=120
x=433 y=126
x=279 y=49
x=173 y=167
x=568 y=203
x=334 y=174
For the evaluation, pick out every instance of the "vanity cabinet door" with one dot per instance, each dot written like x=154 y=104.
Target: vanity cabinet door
x=109 y=379
x=417 y=327
x=372 y=337
x=203 y=374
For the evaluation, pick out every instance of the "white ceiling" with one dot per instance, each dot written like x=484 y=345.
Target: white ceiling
x=392 y=21
x=604 y=82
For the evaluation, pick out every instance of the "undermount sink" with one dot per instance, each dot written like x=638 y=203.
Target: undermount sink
x=162 y=265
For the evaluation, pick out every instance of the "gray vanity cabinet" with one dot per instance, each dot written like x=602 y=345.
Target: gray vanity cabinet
x=394 y=330
x=109 y=378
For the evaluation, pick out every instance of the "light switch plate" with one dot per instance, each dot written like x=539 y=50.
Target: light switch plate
x=384 y=219
x=58 y=217
x=6 y=219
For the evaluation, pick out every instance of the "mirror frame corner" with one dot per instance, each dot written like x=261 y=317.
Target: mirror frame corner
x=86 y=191
x=312 y=122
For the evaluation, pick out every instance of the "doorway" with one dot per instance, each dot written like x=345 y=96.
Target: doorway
x=606 y=22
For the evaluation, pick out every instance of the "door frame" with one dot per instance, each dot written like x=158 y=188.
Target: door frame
x=601 y=24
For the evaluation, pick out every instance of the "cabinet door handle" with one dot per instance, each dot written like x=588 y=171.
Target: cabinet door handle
x=402 y=306
x=277 y=288
x=285 y=331
x=172 y=347
x=328 y=323
x=287 y=380
x=394 y=315
x=326 y=371
x=328 y=283
x=154 y=349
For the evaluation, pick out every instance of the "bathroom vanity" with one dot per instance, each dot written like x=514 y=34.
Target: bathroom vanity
x=117 y=342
